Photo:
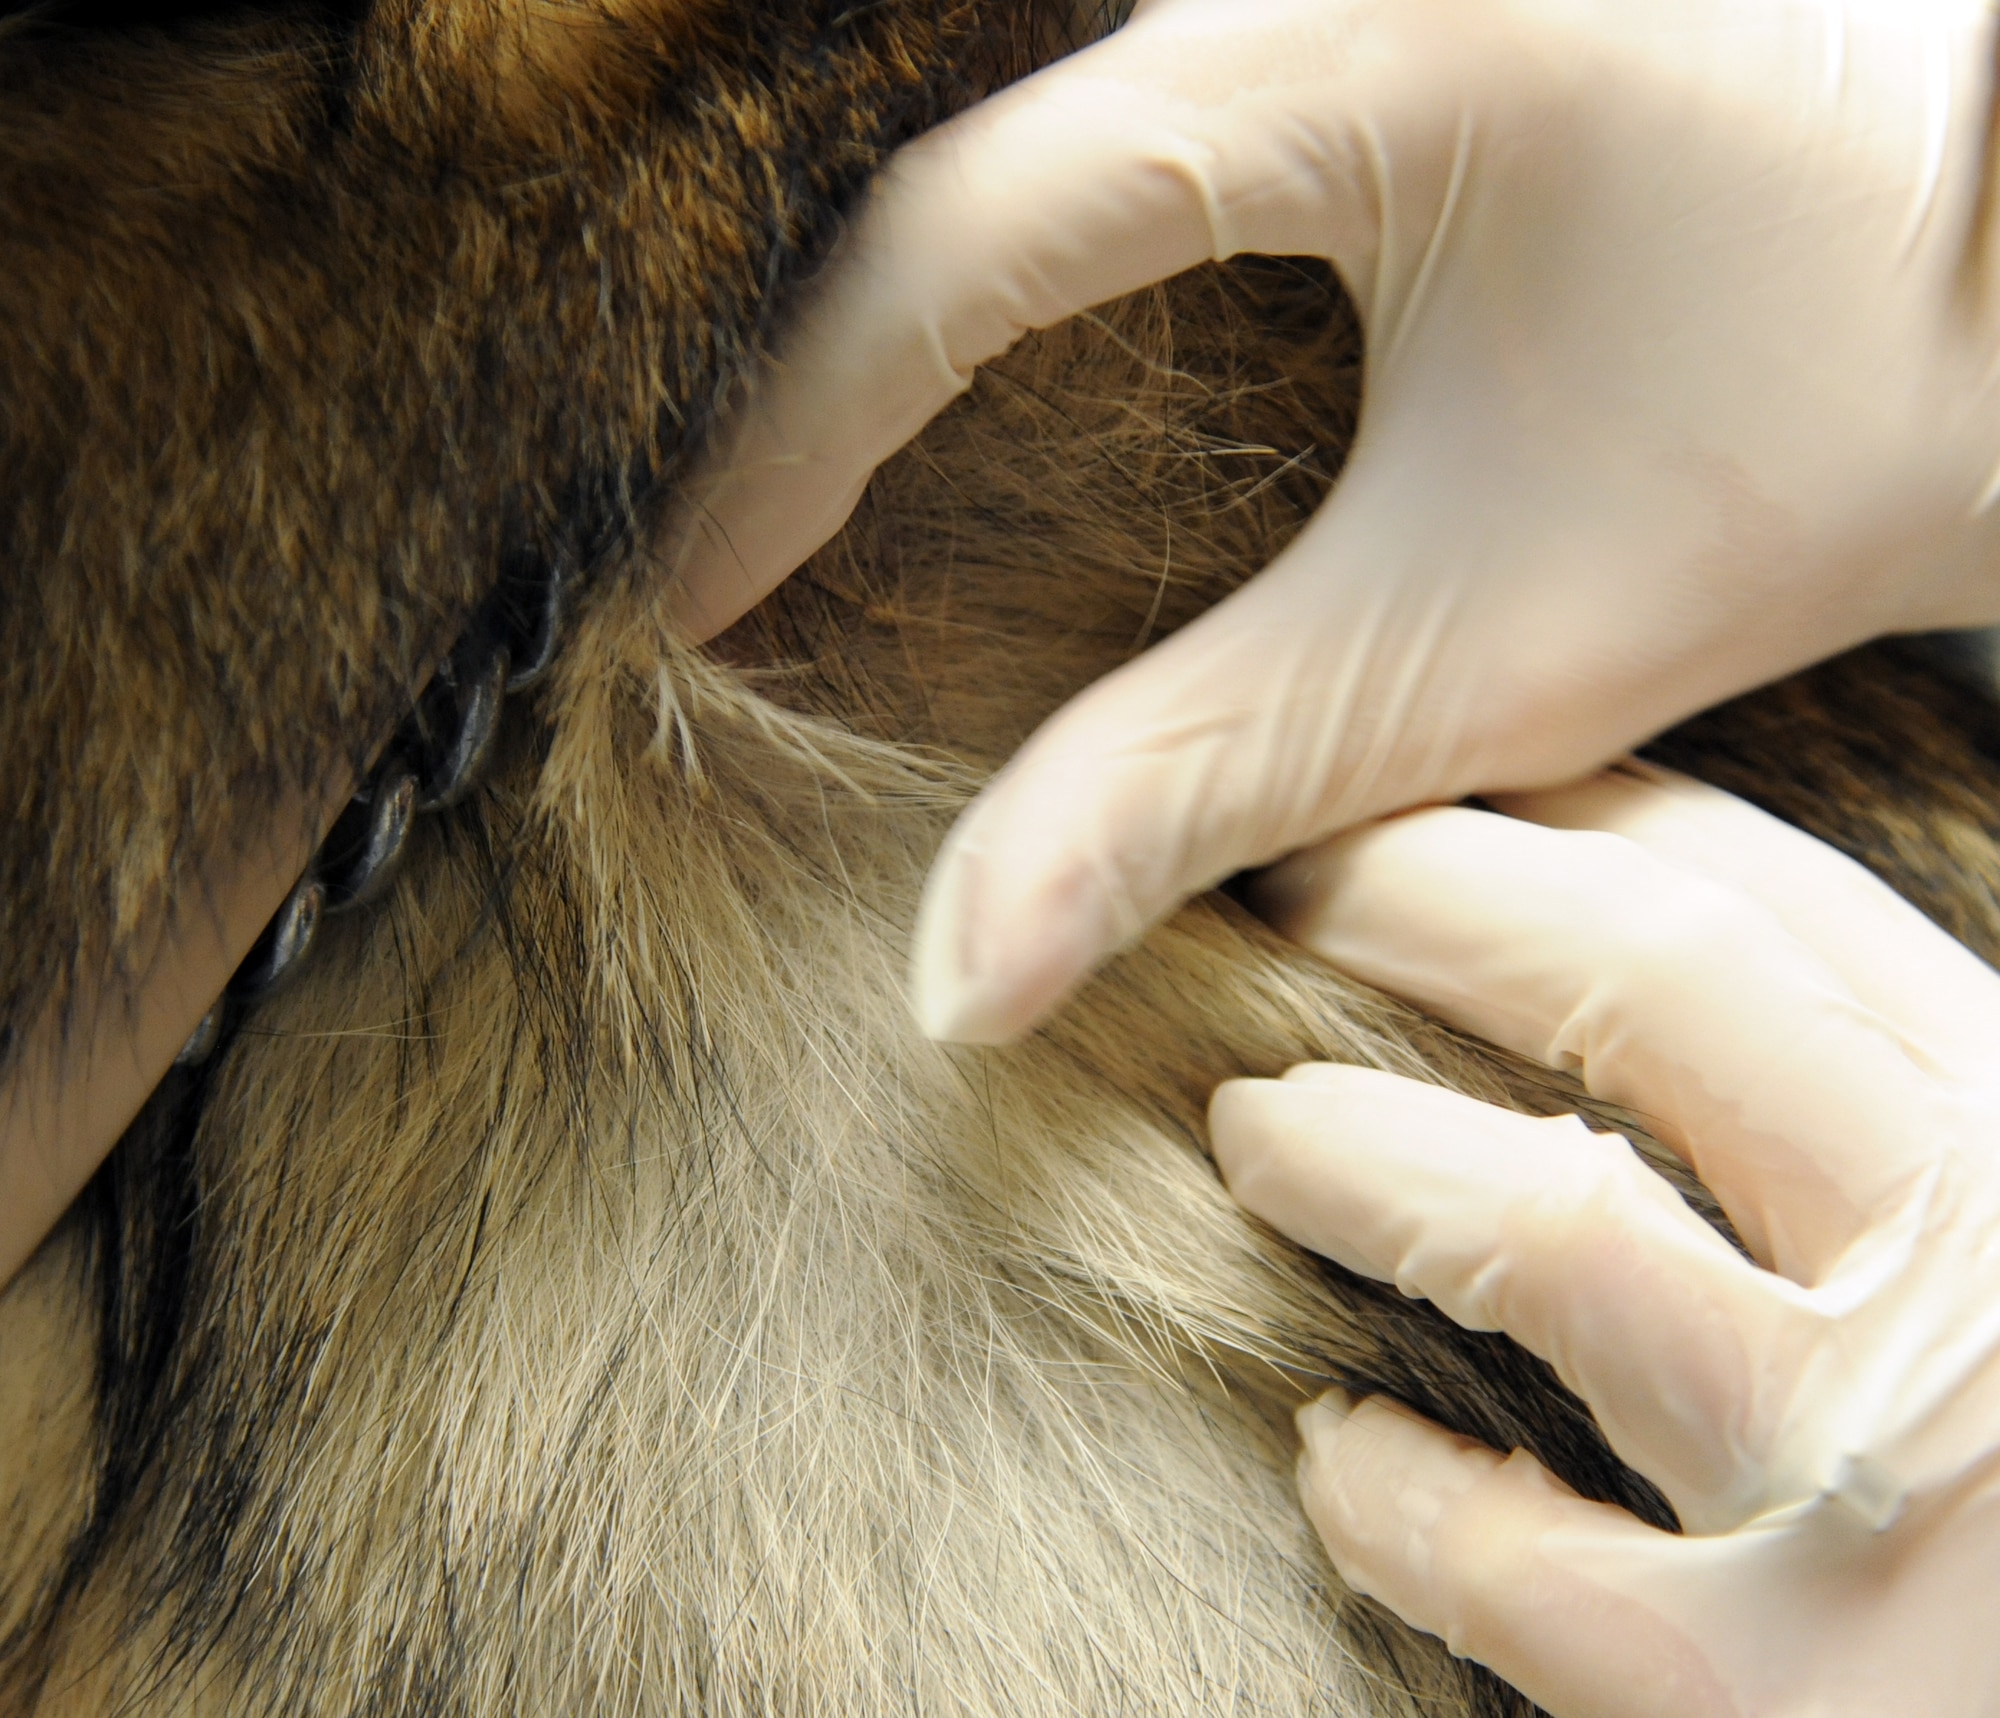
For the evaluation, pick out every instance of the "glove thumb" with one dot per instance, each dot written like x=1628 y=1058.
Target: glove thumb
x=1310 y=699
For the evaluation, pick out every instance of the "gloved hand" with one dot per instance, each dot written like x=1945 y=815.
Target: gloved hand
x=1680 y=374
x=1826 y=1421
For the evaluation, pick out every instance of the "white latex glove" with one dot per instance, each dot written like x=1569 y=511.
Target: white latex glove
x=1680 y=375
x=1826 y=1421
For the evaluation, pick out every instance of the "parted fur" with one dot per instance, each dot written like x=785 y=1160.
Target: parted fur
x=584 y=1291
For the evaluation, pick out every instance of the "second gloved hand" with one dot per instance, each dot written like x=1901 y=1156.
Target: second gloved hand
x=1826 y=1419
x=1680 y=375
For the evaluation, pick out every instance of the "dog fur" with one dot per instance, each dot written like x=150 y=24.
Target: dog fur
x=584 y=1290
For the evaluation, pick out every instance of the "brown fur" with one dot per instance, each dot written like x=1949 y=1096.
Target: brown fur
x=304 y=336
x=584 y=1291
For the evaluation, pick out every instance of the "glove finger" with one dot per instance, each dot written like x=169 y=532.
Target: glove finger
x=1560 y=1237
x=1939 y=997
x=1192 y=133
x=1500 y=1559
x=1685 y=1001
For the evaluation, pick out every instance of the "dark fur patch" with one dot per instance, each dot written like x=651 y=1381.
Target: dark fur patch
x=304 y=331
